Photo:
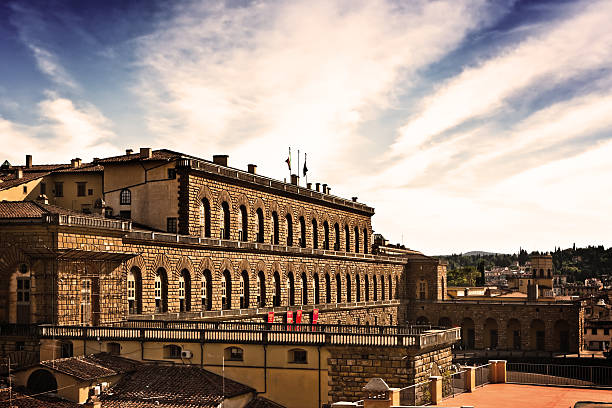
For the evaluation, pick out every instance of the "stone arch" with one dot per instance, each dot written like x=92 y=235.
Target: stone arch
x=226 y=264
x=243 y=200
x=261 y=266
x=205 y=193
x=160 y=261
x=561 y=336
x=537 y=335
x=468 y=333
x=41 y=381
x=10 y=259
x=183 y=263
x=259 y=203
x=205 y=263
x=138 y=262
x=224 y=196
x=272 y=207
x=490 y=334
x=513 y=334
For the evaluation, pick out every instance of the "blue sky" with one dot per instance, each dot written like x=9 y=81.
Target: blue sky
x=468 y=125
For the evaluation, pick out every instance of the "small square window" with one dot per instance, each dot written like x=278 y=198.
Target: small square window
x=234 y=354
x=171 y=173
x=172 y=225
x=298 y=356
x=90 y=191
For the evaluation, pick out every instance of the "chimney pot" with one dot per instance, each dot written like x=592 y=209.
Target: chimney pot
x=28 y=161
x=252 y=168
x=328 y=190
x=220 y=159
x=309 y=186
x=129 y=151
x=76 y=162
x=294 y=179
x=324 y=188
x=146 y=153
x=18 y=173
x=354 y=199
x=317 y=186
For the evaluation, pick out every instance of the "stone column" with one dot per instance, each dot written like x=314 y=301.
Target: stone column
x=435 y=389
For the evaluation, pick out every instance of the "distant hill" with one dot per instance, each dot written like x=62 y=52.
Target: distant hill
x=479 y=253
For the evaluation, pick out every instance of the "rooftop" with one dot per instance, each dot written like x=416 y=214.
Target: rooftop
x=517 y=395
x=92 y=366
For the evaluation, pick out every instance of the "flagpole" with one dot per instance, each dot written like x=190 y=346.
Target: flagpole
x=306 y=174
x=290 y=164
x=298 y=172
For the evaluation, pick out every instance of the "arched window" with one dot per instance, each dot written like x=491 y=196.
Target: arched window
x=382 y=287
x=290 y=289
x=349 y=297
x=302 y=232
x=325 y=235
x=390 y=288
x=304 y=289
x=161 y=291
x=275 y=232
x=375 y=281
x=358 y=287
x=233 y=354
x=261 y=289
x=225 y=221
x=336 y=237
x=244 y=290
x=243 y=234
x=397 y=291
x=206 y=290
x=367 y=288
x=205 y=217
x=289 y=230
x=327 y=288
x=338 y=288
x=315 y=234
x=365 y=240
x=185 y=291
x=357 y=239
x=315 y=286
x=347 y=238
x=226 y=290
x=276 y=290
x=125 y=197
x=260 y=225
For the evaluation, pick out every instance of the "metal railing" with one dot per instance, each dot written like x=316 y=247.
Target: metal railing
x=416 y=395
x=260 y=333
x=482 y=375
x=559 y=374
x=453 y=384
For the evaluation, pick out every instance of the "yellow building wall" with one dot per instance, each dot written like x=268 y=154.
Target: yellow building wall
x=16 y=193
x=70 y=198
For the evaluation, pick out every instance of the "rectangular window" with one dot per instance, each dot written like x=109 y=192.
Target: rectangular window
x=43 y=188
x=59 y=189
x=125 y=214
x=594 y=331
x=81 y=189
x=172 y=225
x=171 y=173
x=606 y=332
x=86 y=301
x=25 y=189
x=90 y=191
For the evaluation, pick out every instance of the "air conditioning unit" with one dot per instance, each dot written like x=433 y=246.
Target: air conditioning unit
x=186 y=354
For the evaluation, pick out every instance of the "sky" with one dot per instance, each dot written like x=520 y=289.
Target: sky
x=467 y=125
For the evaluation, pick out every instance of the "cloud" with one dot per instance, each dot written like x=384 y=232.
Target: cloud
x=258 y=78
x=50 y=66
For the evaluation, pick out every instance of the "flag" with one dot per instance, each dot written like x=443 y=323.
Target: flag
x=288 y=161
x=305 y=170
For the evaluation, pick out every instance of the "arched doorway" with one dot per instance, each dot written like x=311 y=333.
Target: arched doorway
x=537 y=335
x=41 y=381
x=513 y=335
x=562 y=331
x=490 y=334
x=468 y=334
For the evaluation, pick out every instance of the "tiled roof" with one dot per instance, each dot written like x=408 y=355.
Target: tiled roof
x=261 y=402
x=164 y=386
x=20 y=400
x=85 y=168
x=156 y=155
x=11 y=181
x=32 y=209
x=91 y=367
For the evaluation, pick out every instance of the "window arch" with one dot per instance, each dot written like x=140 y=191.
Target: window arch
x=275 y=233
x=316 y=291
x=185 y=291
x=289 y=229
x=315 y=234
x=260 y=225
x=349 y=297
x=225 y=220
x=325 y=235
x=205 y=217
x=336 y=237
x=357 y=239
x=226 y=290
x=244 y=290
x=358 y=288
x=276 y=290
x=243 y=234
x=290 y=289
x=261 y=289
x=206 y=290
x=161 y=291
x=347 y=238
x=365 y=240
x=327 y=288
x=382 y=287
x=125 y=197
x=304 y=288
x=367 y=288
x=302 y=232
x=338 y=287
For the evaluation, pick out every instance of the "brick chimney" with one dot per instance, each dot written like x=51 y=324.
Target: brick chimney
x=324 y=188
x=252 y=168
x=317 y=186
x=309 y=186
x=220 y=159
x=295 y=179
x=146 y=153
x=75 y=163
x=128 y=151
x=28 y=161
x=354 y=199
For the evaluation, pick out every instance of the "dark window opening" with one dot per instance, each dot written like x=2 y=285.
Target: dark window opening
x=81 y=189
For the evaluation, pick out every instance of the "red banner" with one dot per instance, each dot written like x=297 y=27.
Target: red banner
x=298 y=317
x=270 y=317
x=289 y=317
x=315 y=316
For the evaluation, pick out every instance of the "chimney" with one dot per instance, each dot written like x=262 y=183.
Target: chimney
x=146 y=153
x=18 y=173
x=252 y=168
x=75 y=163
x=317 y=186
x=354 y=199
x=43 y=199
x=309 y=186
x=328 y=190
x=128 y=151
x=294 y=179
x=28 y=161
x=220 y=159
x=96 y=160
x=324 y=189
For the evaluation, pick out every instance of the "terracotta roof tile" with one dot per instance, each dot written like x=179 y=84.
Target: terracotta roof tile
x=21 y=400
x=33 y=209
x=261 y=402
x=92 y=366
x=156 y=155
x=10 y=181
x=164 y=386
x=85 y=168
